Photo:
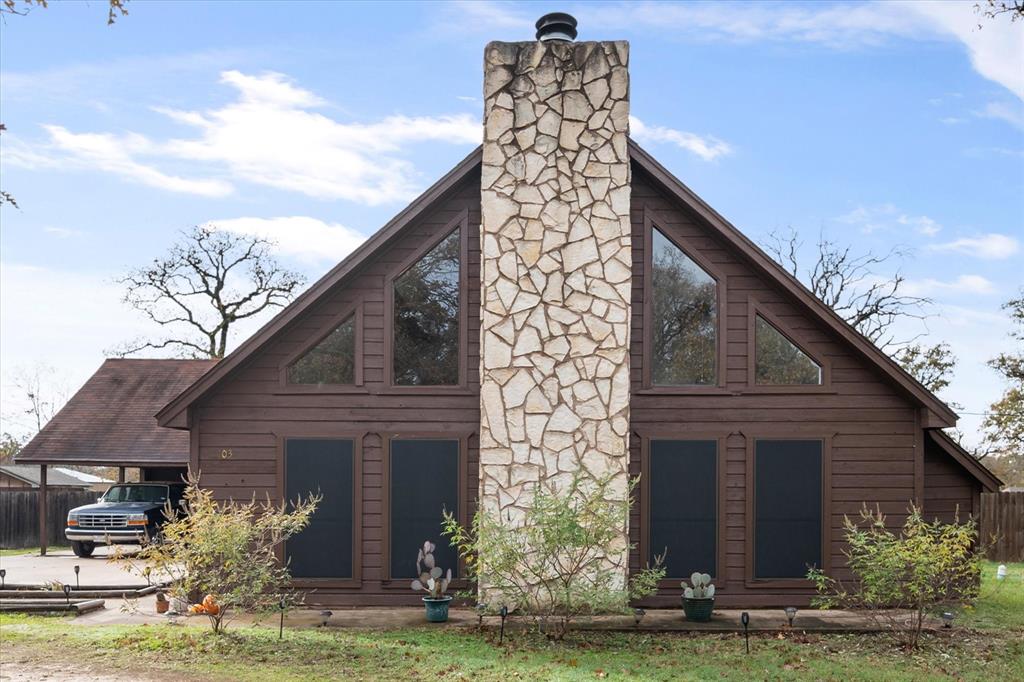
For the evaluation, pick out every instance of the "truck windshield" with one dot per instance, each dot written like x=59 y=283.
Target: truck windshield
x=136 y=493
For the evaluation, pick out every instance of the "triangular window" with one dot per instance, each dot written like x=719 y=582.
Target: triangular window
x=685 y=318
x=332 y=361
x=778 y=361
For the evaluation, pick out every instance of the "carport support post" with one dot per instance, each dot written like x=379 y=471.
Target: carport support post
x=42 y=510
x=120 y=474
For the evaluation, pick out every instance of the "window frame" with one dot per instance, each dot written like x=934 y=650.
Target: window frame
x=356 y=581
x=652 y=221
x=460 y=222
x=462 y=437
x=355 y=312
x=791 y=433
x=755 y=308
x=671 y=584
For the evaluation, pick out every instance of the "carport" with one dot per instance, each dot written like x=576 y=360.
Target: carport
x=110 y=422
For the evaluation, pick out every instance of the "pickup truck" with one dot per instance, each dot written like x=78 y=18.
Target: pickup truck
x=128 y=513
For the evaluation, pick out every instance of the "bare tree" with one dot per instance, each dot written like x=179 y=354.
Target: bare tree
x=852 y=286
x=115 y=8
x=990 y=9
x=43 y=392
x=207 y=282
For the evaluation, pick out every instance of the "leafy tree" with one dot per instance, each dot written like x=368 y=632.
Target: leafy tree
x=552 y=566
x=931 y=365
x=208 y=281
x=1004 y=424
x=222 y=555
x=922 y=568
x=9 y=447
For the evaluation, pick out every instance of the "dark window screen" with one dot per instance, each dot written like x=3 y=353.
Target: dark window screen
x=787 y=509
x=683 y=505
x=424 y=481
x=324 y=548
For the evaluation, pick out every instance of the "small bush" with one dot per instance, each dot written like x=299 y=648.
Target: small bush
x=552 y=564
x=923 y=568
x=222 y=555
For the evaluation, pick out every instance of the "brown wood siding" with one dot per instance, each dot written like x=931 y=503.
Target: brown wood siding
x=948 y=488
x=872 y=428
x=240 y=422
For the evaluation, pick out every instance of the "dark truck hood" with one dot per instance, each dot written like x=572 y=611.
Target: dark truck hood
x=118 y=507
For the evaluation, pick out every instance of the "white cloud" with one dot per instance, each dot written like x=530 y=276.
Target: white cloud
x=269 y=135
x=888 y=217
x=964 y=284
x=306 y=238
x=706 y=147
x=1011 y=113
x=991 y=246
x=62 y=232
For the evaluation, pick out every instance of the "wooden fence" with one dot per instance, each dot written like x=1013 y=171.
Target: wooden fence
x=1002 y=524
x=19 y=515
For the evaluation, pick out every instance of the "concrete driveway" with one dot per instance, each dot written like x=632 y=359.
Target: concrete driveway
x=59 y=565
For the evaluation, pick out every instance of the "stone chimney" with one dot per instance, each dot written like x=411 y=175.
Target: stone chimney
x=556 y=269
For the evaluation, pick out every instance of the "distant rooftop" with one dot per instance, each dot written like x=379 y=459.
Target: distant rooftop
x=30 y=474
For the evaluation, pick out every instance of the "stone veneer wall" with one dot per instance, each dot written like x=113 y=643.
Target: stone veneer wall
x=557 y=264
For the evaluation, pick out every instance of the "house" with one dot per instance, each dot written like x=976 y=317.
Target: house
x=25 y=477
x=109 y=423
x=95 y=483
x=561 y=305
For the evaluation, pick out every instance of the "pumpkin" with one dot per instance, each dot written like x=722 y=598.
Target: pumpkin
x=196 y=609
x=210 y=606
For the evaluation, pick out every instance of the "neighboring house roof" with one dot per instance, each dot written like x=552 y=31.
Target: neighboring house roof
x=937 y=412
x=989 y=481
x=90 y=479
x=30 y=474
x=109 y=421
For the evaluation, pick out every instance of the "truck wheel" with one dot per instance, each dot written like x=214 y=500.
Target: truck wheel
x=83 y=549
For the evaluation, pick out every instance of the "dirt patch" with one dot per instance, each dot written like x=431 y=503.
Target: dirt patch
x=28 y=662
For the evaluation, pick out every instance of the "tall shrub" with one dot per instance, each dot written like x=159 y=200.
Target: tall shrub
x=551 y=565
x=923 y=568
x=226 y=550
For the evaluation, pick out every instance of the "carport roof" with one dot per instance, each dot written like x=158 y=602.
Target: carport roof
x=110 y=420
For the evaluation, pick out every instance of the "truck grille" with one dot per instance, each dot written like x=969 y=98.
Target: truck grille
x=102 y=521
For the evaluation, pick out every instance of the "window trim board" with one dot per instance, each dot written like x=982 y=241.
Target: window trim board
x=750 y=581
x=461 y=223
x=754 y=308
x=326 y=433
x=462 y=437
x=671 y=584
x=652 y=220
x=355 y=311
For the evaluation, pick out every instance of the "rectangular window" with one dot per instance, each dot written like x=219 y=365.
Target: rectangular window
x=324 y=549
x=788 y=490
x=683 y=505
x=424 y=482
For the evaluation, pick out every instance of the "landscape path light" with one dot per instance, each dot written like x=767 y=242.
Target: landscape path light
x=745 y=619
x=67 y=593
x=947 y=619
x=78 y=585
x=790 y=614
x=3 y=578
x=1001 y=572
x=280 y=627
x=504 y=614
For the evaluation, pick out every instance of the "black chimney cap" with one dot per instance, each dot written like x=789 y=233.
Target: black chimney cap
x=556 y=26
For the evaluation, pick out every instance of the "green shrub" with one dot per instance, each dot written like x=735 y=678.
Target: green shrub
x=551 y=565
x=227 y=550
x=923 y=568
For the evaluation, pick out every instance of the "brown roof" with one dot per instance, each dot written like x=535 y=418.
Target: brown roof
x=175 y=413
x=989 y=481
x=110 y=420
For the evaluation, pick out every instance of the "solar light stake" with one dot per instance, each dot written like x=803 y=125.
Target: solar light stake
x=280 y=627
x=790 y=614
x=325 y=616
x=481 y=609
x=638 y=615
x=78 y=585
x=3 y=578
x=1001 y=572
x=947 y=619
x=504 y=615
x=67 y=593
x=745 y=619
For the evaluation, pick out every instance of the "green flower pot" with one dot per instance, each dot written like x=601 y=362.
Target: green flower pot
x=698 y=610
x=437 y=609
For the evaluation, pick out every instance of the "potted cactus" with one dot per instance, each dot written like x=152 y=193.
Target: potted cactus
x=698 y=597
x=434 y=582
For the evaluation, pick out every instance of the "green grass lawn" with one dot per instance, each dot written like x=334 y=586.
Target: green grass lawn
x=986 y=643
x=31 y=550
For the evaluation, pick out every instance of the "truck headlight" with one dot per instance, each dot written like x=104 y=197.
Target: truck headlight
x=72 y=518
x=136 y=519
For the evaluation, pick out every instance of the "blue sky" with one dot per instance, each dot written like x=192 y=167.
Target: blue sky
x=878 y=124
